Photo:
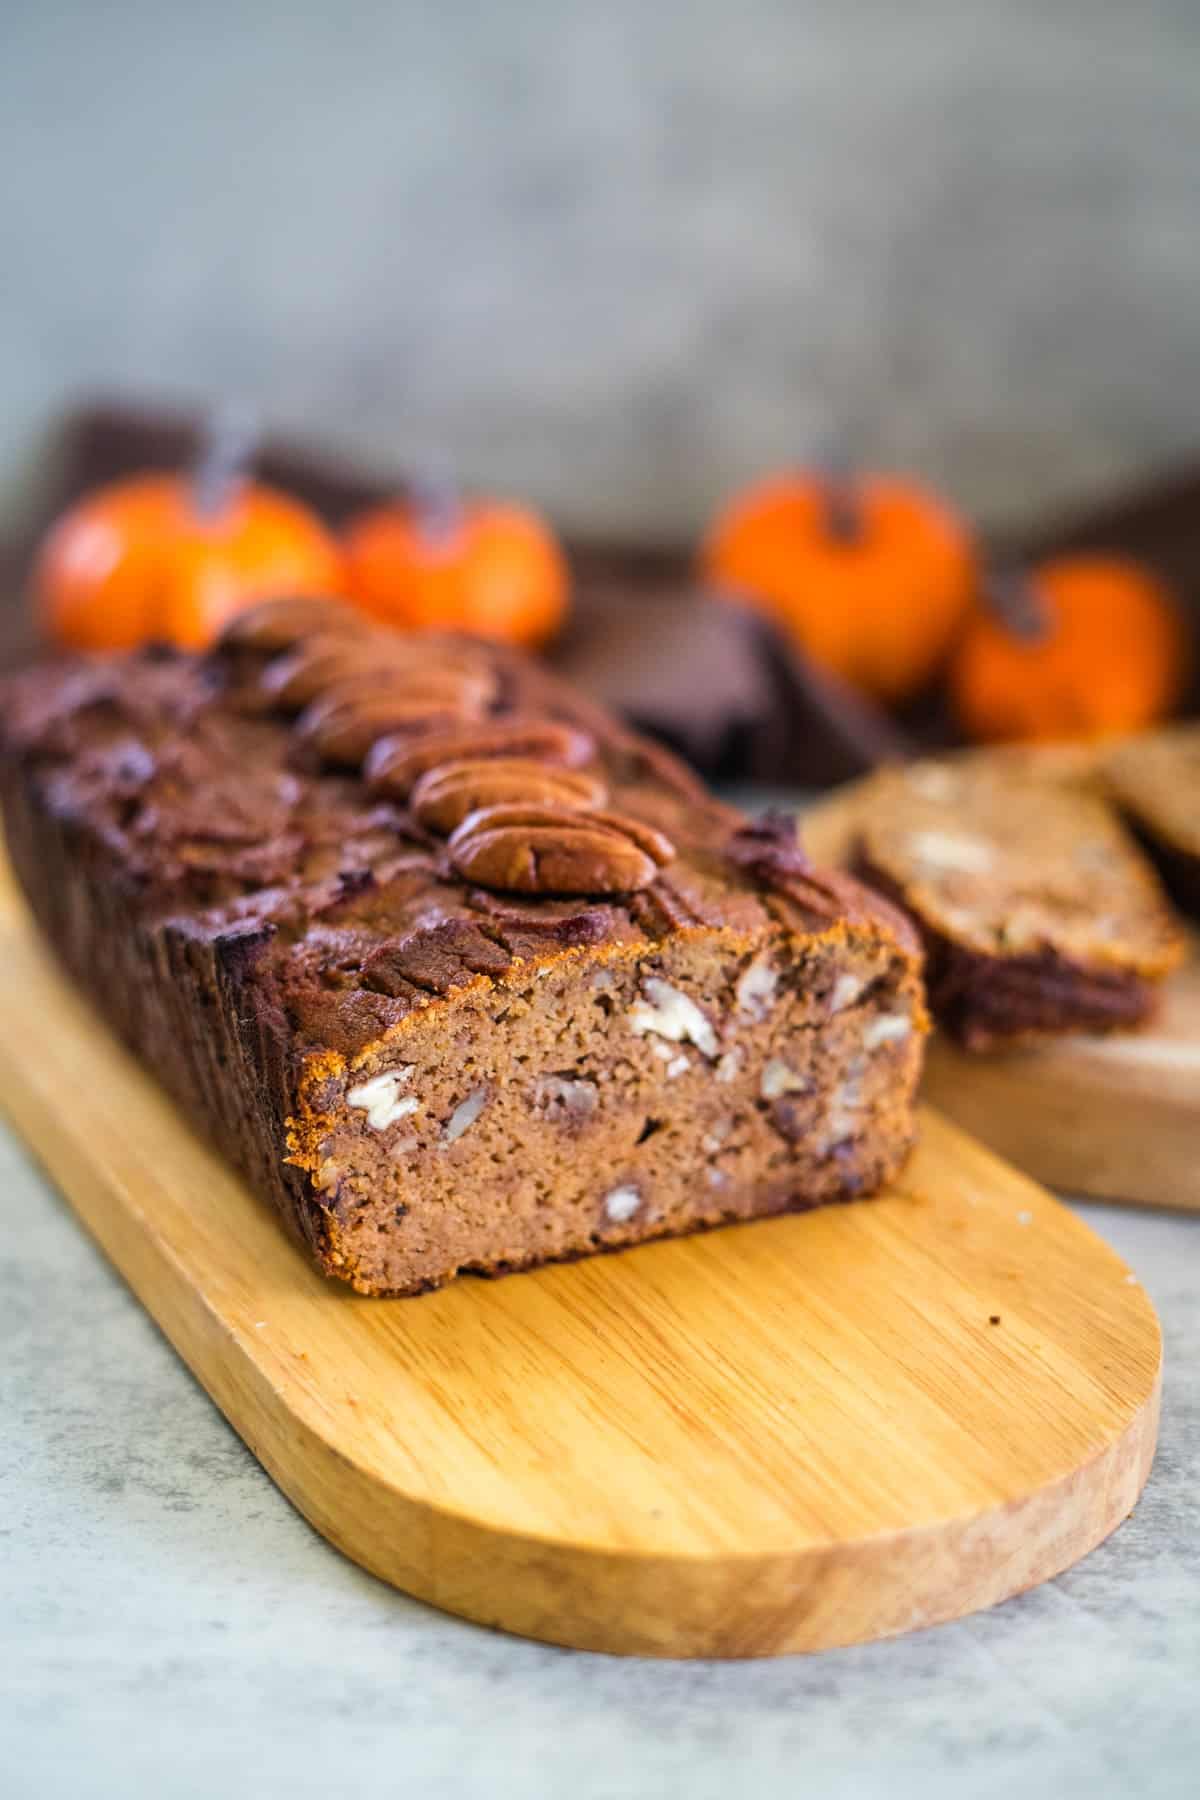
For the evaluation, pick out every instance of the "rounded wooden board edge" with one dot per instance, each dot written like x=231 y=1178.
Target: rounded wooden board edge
x=1107 y=1119
x=750 y=1607
x=195 y=1278
x=561 y=1592
x=742 y=1606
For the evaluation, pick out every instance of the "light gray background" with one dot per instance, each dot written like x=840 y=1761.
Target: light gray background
x=170 y=1628
x=617 y=256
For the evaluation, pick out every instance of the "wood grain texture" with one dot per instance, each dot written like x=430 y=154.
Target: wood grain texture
x=1114 y=1117
x=777 y=1437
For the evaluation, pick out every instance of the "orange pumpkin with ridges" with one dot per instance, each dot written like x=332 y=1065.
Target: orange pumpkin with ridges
x=165 y=557
x=1080 y=646
x=871 y=574
x=488 y=567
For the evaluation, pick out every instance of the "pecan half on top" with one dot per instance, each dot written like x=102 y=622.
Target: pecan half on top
x=316 y=663
x=395 y=764
x=343 y=732
x=553 y=850
x=326 y=659
x=354 y=714
x=278 y=624
x=442 y=798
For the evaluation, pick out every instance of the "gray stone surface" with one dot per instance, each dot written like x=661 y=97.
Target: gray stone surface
x=170 y=1627
x=617 y=256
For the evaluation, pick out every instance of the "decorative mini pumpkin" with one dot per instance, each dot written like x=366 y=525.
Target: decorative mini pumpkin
x=433 y=561
x=870 y=573
x=173 y=558
x=1082 y=646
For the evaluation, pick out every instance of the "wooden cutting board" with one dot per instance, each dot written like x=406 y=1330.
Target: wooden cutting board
x=1116 y=1118
x=783 y=1436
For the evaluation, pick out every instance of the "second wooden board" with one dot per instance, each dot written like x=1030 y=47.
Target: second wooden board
x=1115 y=1118
x=805 y=1432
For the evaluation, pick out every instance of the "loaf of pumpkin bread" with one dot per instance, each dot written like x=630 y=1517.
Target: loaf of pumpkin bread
x=459 y=973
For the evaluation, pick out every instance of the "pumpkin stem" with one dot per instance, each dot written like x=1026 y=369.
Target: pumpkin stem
x=228 y=449
x=1009 y=593
x=840 y=496
x=436 y=502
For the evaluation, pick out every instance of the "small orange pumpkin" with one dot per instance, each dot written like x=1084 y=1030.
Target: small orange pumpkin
x=173 y=558
x=432 y=561
x=1081 y=646
x=870 y=573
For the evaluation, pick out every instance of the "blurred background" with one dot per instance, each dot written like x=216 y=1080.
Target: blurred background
x=616 y=258
x=619 y=262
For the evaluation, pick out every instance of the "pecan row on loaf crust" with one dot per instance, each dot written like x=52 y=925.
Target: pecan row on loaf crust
x=460 y=973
